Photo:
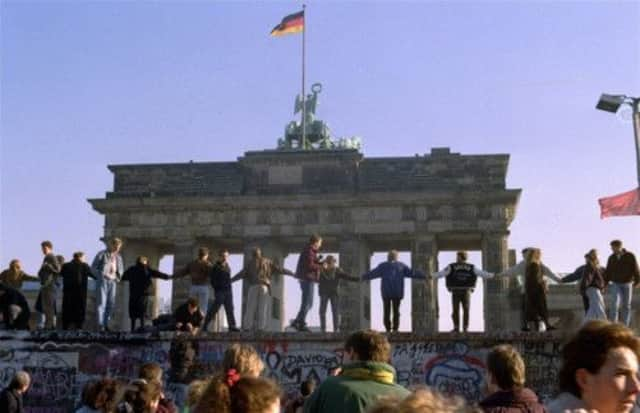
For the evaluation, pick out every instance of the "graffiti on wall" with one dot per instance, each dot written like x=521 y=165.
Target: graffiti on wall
x=60 y=369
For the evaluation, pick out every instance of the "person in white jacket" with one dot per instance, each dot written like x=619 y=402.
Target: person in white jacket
x=461 y=280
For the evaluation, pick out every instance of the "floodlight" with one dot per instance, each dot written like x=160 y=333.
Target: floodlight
x=610 y=103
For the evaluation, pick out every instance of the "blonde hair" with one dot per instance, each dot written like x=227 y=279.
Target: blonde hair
x=195 y=392
x=422 y=400
x=243 y=358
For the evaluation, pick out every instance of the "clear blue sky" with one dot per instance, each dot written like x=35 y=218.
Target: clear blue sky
x=86 y=84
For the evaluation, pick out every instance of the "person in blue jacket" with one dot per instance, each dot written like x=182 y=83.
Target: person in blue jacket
x=393 y=273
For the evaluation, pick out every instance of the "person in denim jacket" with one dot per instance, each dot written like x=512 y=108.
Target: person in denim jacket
x=108 y=268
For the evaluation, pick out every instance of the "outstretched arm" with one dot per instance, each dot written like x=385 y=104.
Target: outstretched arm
x=548 y=273
x=242 y=274
x=340 y=273
x=159 y=274
x=411 y=273
x=440 y=274
x=517 y=269
x=27 y=277
x=374 y=273
x=482 y=274
x=573 y=277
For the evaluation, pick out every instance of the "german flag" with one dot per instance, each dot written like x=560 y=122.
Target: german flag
x=293 y=23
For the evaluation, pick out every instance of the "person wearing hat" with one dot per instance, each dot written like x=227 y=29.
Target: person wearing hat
x=461 y=278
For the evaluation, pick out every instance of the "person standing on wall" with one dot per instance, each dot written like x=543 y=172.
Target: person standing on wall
x=392 y=272
x=461 y=278
x=222 y=292
x=75 y=278
x=308 y=271
x=622 y=275
x=258 y=272
x=141 y=290
x=328 y=289
x=108 y=268
x=199 y=270
x=519 y=271
x=48 y=274
x=592 y=283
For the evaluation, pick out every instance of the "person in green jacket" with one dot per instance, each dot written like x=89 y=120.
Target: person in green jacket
x=365 y=377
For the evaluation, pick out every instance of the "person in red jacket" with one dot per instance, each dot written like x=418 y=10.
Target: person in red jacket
x=505 y=383
x=308 y=271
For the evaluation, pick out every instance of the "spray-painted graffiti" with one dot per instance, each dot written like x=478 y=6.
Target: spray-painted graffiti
x=62 y=365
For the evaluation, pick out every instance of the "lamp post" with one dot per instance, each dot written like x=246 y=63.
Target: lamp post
x=611 y=103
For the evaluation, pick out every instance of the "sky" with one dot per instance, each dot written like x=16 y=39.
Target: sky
x=88 y=84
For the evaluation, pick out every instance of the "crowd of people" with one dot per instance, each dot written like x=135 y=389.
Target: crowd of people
x=619 y=277
x=598 y=373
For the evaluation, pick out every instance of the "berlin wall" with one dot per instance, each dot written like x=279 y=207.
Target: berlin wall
x=62 y=362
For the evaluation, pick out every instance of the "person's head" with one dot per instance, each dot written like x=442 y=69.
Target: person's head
x=114 y=245
x=591 y=258
x=423 y=400
x=223 y=255
x=142 y=260
x=616 y=246
x=203 y=253
x=331 y=261
x=228 y=393
x=150 y=372
x=47 y=247
x=20 y=381
x=392 y=255
x=307 y=387
x=244 y=359
x=105 y=395
x=15 y=265
x=600 y=366
x=256 y=253
x=192 y=305
x=315 y=241
x=195 y=391
x=534 y=255
x=505 y=369
x=146 y=396
x=78 y=256
x=524 y=252
x=461 y=256
x=368 y=345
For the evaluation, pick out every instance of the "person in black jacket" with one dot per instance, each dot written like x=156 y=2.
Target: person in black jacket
x=14 y=309
x=11 y=397
x=75 y=275
x=141 y=289
x=328 y=289
x=223 y=294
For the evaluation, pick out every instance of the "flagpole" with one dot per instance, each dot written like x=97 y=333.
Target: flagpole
x=304 y=105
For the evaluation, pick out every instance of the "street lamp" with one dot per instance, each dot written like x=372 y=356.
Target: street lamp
x=611 y=103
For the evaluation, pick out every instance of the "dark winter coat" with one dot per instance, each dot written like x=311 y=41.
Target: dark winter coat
x=393 y=274
x=221 y=277
x=14 y=297
x=329 y=284
x=512 y=401
x=623 y=269
x=308 y=267
x=11 y=401
x=140 y=287
x=75 y=275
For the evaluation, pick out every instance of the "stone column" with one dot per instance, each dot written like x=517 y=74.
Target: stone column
x=184 y=251
x=424 y=293
x=276 y=252
x=497 y=310
x=355 y=298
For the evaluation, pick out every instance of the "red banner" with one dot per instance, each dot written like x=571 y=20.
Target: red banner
x=624 y=204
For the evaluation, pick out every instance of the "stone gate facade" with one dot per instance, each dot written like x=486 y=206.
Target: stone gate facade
x=275 y=199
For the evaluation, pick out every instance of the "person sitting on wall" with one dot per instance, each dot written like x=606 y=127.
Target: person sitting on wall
x=365 y=377
x=14 y=276
x=141 y=290
x=461 y=280
x=505 y=384
x=393 y=273
x=14 y=309
x=189 y=317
